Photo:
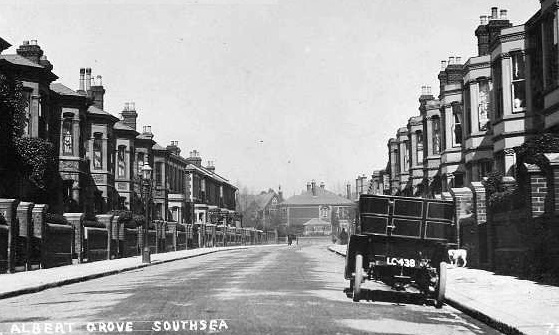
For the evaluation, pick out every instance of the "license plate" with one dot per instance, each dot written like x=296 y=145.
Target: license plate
x=406 y=262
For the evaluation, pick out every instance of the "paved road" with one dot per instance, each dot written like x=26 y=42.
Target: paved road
x=283 y=290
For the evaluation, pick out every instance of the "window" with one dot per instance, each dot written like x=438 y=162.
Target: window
x=397 y=161
x=98 y=151
x=419 y=147
x=550 y=50
x=498 y=89
x=457 y=126
x=158 y=173
x=140 y=163
x=483 y=105
x=121 y=162
x=67 y=140
x=467 y=110
x=518 y=81
x=406 y=158
x=436 y=135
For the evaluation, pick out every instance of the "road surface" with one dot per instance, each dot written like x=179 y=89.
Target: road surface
x=294 y=289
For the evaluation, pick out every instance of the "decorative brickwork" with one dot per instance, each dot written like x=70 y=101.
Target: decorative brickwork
x=537 y=188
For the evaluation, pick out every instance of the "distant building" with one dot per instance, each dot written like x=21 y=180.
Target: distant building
x=315 y=203
x=260 y=210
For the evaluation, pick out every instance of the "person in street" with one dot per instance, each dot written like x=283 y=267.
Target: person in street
x=289 y=240
x=343 y=236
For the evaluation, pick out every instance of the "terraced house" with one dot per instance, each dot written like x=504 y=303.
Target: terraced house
x=490 y=142
x=100 y=156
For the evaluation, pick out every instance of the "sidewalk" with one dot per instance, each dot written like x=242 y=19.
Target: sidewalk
x=511 y=305
x=18 y=283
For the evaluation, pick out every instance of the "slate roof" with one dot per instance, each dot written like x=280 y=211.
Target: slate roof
x=63 y=90
x=120 y=125
x=19 y=60
x=322 y=197
x=98 y=111
x=259 y=200
x=156 y=146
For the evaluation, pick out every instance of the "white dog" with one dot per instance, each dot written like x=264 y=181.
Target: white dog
x=455 y=254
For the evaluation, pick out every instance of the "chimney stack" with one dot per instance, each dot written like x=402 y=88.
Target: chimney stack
x=503 y=14
x=458 y=60
x=494 y=11
x=313 y=187
x=174 y=148
x=97 y=91
x=31 y=51
x=82 y=78
x=194 y=158
x=210 y=166
x=308 y=186
x=348 y=190
x=129 y=115
x=88 y=80
x=451 y=60
x=490 y=28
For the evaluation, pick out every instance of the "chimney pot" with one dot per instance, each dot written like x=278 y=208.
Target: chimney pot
x=443 y=65
x=99 y=81
x=451 y=60
x=458 y=60
x=132 y=106
x=494 y=11
x=126 y=106
x=33 y=42
x=25 y=42
x=503 y=14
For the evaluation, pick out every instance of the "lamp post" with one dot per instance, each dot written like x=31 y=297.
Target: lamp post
x=146 y=193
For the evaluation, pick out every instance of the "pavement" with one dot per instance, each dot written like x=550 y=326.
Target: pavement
x=14 y=284
x=506 y=303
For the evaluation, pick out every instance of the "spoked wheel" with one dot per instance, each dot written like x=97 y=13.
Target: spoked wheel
x=440 y=286
x=358 y=279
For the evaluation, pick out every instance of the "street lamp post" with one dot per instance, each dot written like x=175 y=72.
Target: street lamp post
x=146 y=190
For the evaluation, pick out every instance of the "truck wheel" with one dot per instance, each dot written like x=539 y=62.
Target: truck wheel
x=358 y=279
x=440 y=288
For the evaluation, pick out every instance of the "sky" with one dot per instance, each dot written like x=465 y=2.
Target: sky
x=273 y=92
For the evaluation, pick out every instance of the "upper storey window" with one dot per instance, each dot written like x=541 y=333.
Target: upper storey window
x=67 y=140
x=406 y=156
x=121 y=161
x=436 y=135
x=457 y=126
x=550 y=50
x=159 y=173
x=518 y=81
x=498 y=89
x=419 y=147
x=483 y=105
x=98 y=151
